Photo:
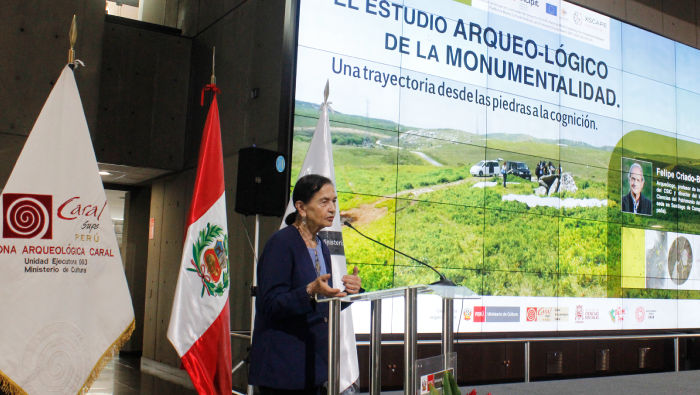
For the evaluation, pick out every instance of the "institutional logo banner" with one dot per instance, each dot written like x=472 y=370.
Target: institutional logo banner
x=65 y=306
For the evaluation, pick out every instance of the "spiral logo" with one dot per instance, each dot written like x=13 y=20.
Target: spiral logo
x=27 y=216
x=532 y=313
x=55 y=361
x=639 y=314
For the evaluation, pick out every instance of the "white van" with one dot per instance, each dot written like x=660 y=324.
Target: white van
x=486 y=168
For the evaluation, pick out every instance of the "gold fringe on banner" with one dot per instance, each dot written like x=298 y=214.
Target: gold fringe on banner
x=11 y=388
x=107 y=356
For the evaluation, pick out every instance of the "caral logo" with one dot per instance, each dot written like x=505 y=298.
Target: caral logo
x=479 y=313
x=547 y=314
x=544 y=314
x=578 y=18
x=640 y=314
x=27 y=216
x=467 y=313
x=531 y=314
x=551 y=9
x=210 y=260
x=579 y=314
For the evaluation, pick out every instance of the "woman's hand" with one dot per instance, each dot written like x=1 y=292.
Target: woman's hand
x=352 y=282
x=320 y=287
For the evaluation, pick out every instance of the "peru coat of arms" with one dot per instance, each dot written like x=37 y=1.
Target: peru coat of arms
x=210 y=260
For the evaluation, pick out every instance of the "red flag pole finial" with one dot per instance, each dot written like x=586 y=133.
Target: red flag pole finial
x=212 y=85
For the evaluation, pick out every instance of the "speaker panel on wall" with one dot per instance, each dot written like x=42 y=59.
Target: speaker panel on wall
x=262 y=176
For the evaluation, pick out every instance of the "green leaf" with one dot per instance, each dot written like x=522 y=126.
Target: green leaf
x=446 y=387
x=452 y=383
x=189 y=269
x=455 y=387
x=202 y=291
x=195 y=253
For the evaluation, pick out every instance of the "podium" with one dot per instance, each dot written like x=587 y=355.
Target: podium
x=448 y=295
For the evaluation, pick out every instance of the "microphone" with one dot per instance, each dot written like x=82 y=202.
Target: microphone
x=443 y=280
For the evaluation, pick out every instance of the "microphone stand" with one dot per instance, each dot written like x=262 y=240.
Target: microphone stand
x=443 y=280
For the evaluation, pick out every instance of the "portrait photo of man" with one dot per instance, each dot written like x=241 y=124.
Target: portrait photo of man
x=634 y=201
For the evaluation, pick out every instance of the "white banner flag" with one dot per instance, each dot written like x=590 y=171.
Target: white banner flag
x=65 y=308
x=319 y=160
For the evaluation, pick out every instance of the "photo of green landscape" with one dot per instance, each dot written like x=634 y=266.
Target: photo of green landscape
x=412 y=189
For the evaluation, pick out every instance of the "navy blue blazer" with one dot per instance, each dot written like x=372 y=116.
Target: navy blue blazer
x=290 y=339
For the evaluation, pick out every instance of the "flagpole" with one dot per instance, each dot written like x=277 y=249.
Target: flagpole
x=213 y=67
x=212 y=80
x=255 y=285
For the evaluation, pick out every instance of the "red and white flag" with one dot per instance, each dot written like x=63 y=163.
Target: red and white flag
x=199 y=324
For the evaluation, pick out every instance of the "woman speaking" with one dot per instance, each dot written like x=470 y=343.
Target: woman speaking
x=289 y=354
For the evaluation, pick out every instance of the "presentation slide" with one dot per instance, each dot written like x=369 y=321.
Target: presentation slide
x=545 y=156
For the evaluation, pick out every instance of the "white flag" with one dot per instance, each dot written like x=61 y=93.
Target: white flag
x=65 y=308
x=319 y=160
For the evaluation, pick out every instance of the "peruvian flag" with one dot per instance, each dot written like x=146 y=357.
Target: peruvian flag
x=199 y=324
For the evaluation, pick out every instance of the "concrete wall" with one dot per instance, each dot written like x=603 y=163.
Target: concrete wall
x=135 y=257
x=249 y=39
x=180 y=14
x=675 y=19
x=143 y=104
x=34 y=45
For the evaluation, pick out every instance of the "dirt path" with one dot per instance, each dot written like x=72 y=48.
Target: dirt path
x=367 y=213
x=345 y=130
x=432 y=188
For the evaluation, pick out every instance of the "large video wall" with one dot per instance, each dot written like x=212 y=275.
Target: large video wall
x=596 y=122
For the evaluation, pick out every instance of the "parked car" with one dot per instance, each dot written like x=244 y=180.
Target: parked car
x=519 y=169
x=486 y=168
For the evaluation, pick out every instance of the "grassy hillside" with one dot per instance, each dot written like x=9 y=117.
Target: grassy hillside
x=494 y=246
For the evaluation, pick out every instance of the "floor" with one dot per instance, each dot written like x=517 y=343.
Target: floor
x=123 y=377
x=682 y=383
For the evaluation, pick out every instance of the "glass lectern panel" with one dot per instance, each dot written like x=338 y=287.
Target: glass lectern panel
x=444 y=291
x=432 y=371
